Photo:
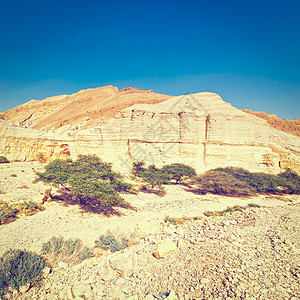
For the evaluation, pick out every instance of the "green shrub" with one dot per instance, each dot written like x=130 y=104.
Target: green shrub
x=178 y=171
x=89 y=180
x=70 y=251
x=4 y=160
x=19 y=268
x=222 y=183
x=158 y=176
x=232 y=181
x=7 y=213
x=151 y=175
x=109 y=241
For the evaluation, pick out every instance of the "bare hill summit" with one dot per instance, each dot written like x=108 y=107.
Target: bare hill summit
x=85 y=109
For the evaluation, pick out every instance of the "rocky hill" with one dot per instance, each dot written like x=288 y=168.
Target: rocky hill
x=289 y=126
x=123 y=126
x=85 y=109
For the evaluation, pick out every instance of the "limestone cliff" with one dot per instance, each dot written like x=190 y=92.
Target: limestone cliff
x=200 y=130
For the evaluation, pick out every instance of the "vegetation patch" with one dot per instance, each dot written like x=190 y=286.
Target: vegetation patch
x=238 y=182
x=229 y=210
x=88 y=182
x=111 y=242
x=156 y=177
x=29 y=208
x=176 y=221
x=8 y=213
x=18 y=268
x=71 y=251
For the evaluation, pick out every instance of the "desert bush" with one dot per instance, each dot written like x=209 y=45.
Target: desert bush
x=232 y=181
x=179 y=171
x=152 y=175
x=4 y=160
x=13 y=175
x=8 y=213
x=158 y=176
x=219 y=182
x=111 y=242
x=89 y=180
x=71 y=251
x=19 y=268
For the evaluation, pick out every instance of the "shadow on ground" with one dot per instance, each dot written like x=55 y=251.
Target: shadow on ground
x=91 y=205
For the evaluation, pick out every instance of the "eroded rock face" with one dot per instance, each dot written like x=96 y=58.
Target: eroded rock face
x=200 y=130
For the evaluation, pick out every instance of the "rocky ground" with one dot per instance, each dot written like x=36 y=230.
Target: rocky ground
x=253 y=254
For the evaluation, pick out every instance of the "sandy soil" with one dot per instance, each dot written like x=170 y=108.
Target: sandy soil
x=30 y=232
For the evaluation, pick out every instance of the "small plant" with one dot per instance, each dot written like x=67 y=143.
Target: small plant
x=253 y=205
x=109 y=241
x=4 y=160
x=7 y=213
x=69 y=251
x=13 y=175
x=29 y=207
x=18 y=268
x=229 y=210
x=175 y=221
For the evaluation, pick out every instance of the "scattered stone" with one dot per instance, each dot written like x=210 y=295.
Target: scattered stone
x=165 y=248
x=24 y=288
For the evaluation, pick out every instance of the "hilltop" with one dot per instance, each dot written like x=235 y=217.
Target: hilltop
x=84 y=109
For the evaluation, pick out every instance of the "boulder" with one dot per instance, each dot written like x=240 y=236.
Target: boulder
x=143 y=230
x=125 y=263
x=165 y=248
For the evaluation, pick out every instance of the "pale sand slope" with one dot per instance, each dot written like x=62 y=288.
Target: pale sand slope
x=31 y=232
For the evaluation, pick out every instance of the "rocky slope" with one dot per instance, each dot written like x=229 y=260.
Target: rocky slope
x=288 y=126
x=252 y=254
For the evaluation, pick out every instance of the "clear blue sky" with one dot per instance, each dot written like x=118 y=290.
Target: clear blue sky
x=246 y=51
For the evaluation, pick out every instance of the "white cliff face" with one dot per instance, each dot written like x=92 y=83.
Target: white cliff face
x=200 y=130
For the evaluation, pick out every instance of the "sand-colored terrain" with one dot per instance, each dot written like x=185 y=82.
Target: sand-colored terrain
x=31 y=232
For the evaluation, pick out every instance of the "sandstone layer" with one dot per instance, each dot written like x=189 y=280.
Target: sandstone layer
x=200 y=130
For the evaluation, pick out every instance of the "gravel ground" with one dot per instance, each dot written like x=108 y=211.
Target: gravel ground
x=252 y=254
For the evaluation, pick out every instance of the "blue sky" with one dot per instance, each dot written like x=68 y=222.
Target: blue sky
x=246 y=51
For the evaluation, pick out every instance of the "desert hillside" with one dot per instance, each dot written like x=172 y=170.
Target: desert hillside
x=123 y=126
x=85 y=109
x=288 y=126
